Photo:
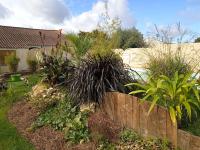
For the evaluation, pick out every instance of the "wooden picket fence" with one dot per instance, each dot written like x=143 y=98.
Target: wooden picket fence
x=130 y=112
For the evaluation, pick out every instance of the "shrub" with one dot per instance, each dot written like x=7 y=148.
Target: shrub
x=12 y=62
x=167 y=63
x=56 y=69
x=130 y=38
x=177 y=94
x=32 y=64
x=44 y=97
x=197 y=40
x=81 y=44
x=97 y=75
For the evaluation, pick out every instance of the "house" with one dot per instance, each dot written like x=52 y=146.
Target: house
x=26 y=42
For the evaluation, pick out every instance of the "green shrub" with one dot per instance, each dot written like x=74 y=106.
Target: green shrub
x=97 y=75
x=12 y=61
x=177 y=94
x=56 y=69
x=130 y=38
x=32 y=64
x=197 y=40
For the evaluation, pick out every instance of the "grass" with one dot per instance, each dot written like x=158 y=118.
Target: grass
x=10 y=139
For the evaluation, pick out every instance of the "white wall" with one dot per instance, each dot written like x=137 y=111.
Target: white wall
x=138 y=57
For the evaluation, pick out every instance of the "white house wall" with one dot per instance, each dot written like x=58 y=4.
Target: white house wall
x=22 y=54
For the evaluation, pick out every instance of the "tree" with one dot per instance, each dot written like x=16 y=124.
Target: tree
x=130 y=38
x=197 y=40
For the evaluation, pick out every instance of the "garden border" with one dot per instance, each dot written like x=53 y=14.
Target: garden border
x=130 y=112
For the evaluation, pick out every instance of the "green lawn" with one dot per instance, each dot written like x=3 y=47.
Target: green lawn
x=9 y=137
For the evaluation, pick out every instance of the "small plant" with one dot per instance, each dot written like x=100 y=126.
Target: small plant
x=3 y=85
x=32 y=64
x=45 y=98
x=12 y=61
x=176 y=94
x=129 y=135
x=104 y=144
x=97 y=75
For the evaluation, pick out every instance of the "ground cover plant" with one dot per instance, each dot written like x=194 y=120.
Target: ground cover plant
x=129 y=139
x=9 y=137
x=67 y=118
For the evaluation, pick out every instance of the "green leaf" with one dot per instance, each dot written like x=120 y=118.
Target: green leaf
x=156 y=98
x=138 y=91
x=172 y=114
x=188 y=108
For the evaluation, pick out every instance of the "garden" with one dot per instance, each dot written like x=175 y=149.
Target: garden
x=62 y=105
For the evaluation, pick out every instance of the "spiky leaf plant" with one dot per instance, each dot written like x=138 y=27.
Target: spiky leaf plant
x=56 y=69
x=98 y=74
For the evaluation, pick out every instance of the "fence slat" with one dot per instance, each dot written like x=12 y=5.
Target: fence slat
x=152 y=122
x=162 y=122
x=144 y=107
x=121 y=109
x=171 y=130
x=129 y=111
x=136 y=114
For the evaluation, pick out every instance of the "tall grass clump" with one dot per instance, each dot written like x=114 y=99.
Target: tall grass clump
x=167 y=63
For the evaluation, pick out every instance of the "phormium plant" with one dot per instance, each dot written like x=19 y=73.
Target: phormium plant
x=96 y=75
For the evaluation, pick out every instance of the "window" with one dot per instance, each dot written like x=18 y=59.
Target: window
x=3 y=54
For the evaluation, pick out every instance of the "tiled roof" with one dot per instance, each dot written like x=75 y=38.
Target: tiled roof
x=16 y=37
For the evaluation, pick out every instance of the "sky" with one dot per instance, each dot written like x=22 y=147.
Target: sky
x=84 y=15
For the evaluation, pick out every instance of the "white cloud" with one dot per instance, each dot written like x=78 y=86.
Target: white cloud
x=3 y=11
x=55 y=14
x=88 y=21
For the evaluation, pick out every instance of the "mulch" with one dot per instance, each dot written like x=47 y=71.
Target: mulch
x=22 y=115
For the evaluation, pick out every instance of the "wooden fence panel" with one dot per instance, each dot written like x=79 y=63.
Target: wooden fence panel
x=136 y=114
x=194 y=143
x=130 y=112
x=183 y=140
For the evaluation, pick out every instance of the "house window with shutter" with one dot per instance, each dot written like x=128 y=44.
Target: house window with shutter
x=3 y=54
